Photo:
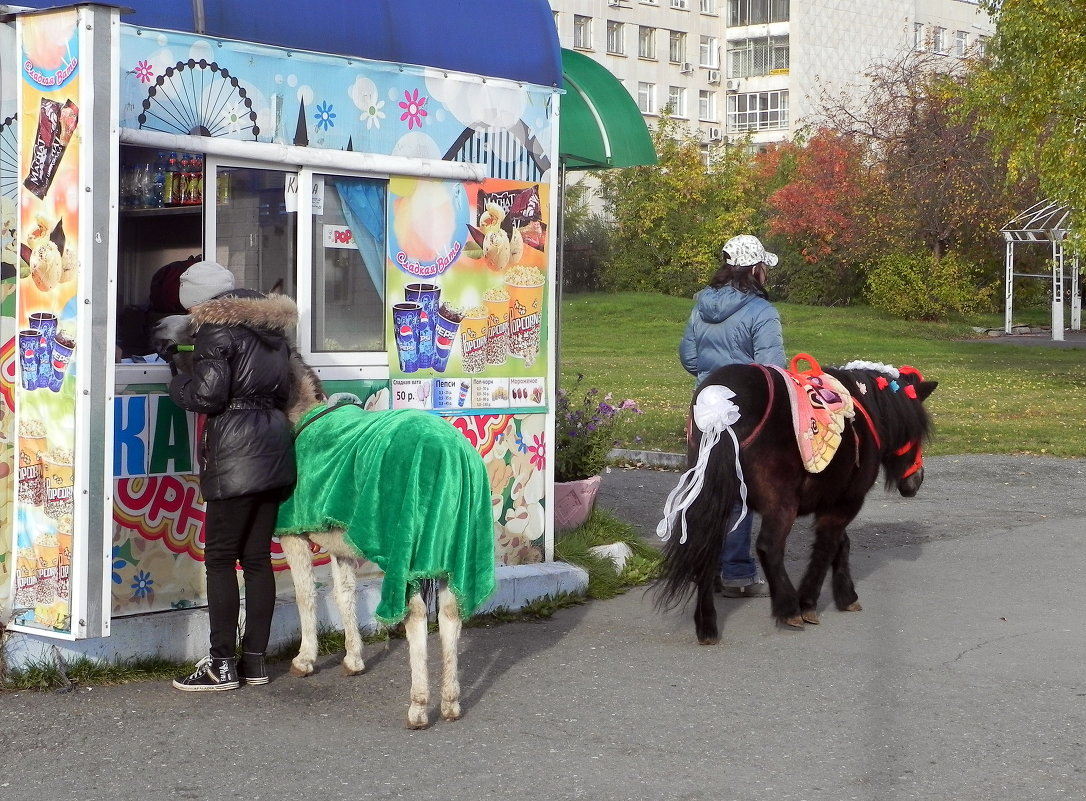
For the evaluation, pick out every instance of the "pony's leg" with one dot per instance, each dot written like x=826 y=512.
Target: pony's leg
x=296 y=551
x=777 y=520
x=344 y=583
x=830 y=539
x=449 y=625
x=844 y=591
x=417 y=714
x=705 y=614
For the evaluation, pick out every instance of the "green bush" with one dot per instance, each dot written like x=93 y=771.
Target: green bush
x=915 y=286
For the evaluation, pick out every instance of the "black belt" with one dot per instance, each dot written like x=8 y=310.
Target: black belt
x=322 y=413
x=251 y=403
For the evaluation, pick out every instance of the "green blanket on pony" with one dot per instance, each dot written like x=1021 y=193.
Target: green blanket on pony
x=410 y=492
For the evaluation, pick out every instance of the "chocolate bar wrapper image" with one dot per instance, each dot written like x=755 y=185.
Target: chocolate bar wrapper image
x=37 y=180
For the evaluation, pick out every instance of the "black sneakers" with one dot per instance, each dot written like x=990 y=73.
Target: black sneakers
x=251 y=669
x=211 y=674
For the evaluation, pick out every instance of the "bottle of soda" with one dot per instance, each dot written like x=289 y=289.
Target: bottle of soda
x=157 y=195
x=170 y=189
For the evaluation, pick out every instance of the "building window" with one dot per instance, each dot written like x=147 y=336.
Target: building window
x=918 y=37
x=646 y=42
x=582 y=32
x=676 y=47
x=980 y=45
x=757 y=111
x=615 y=44
x=756 y=12
x=676 y=98
x=961 y=44
x=762 y=56
x=707 y=106
x=708 y=6
x=646 y=97
x=938 y=40
x=708 y=52
x=679 y=4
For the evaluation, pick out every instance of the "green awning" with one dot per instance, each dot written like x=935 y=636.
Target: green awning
x=600 y=126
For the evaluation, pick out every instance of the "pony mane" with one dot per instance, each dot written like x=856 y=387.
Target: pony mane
x=306 y=390
x=898 y=415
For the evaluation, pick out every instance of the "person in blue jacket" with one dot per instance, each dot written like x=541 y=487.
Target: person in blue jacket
x=732 y=322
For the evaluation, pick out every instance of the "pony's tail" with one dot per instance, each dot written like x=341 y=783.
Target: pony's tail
x=691 y=563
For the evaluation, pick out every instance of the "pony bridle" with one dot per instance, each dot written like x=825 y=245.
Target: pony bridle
x=883 y=383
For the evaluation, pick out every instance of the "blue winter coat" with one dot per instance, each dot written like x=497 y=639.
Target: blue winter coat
x=727 y=326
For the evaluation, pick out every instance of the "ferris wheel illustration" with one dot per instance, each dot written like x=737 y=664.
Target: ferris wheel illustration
x=9 y=157
x=199 y=98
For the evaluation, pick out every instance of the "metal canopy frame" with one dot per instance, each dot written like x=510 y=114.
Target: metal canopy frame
x=1045 y=222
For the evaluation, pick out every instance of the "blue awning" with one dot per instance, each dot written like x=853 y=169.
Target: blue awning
x=515 y=40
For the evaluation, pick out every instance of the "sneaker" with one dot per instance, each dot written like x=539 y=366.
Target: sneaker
x=757 y=589
x=211 y=674
x=251 y=669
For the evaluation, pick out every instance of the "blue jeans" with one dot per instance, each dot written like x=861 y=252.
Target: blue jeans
x=738 y=566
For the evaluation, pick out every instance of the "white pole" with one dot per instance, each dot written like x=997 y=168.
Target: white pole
x=1057 y=290
x=1008 y=297
x=1076 y=295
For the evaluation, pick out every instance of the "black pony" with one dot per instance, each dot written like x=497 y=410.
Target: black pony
x=889 y=430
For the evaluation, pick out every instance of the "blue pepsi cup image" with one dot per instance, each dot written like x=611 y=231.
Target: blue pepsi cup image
x=63 y=346
x=46 y=324
x=405 y=318
x=446 y=324
x=426 y=295
x=28 y=357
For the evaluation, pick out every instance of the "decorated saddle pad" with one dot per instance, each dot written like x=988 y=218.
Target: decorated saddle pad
x=820 y=406
x=410 y=492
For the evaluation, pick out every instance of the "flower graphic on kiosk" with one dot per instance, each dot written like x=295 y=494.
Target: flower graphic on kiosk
x=145 y=71
x=372 y=114
x=413 y=112
x=325 y=117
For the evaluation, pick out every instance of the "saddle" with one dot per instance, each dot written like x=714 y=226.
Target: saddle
x=820 y=406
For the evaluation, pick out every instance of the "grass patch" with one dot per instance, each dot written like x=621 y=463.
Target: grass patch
x=604 y=581
x=992 y=398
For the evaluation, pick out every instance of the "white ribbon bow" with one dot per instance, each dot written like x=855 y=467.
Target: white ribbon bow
x=713 y=412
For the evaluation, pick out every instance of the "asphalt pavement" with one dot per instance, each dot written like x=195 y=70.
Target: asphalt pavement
x=964 y=677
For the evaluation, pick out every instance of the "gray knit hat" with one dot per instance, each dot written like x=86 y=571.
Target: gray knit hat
x=746 y=251
x=203 y=281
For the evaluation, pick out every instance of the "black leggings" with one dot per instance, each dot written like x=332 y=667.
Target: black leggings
x=240 y=530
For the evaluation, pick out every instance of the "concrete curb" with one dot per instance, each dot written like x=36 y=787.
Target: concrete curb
x=657 y=459
x=182 y=635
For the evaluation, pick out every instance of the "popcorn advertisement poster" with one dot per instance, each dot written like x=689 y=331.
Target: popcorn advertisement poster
x=468 y=289
x=46 y=320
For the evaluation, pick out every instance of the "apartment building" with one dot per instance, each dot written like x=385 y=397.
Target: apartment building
x=737 y=67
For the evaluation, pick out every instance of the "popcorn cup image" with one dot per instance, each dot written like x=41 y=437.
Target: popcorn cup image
x=58 y=475
x=473 y=334
x=525 y=288
x=497 y=333
x=47 y=555
x=31 y=445
x=64 y=565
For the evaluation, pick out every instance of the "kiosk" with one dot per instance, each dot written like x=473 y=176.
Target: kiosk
x=409 y=209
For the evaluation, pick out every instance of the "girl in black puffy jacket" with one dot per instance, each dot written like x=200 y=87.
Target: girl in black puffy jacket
x=241 y=380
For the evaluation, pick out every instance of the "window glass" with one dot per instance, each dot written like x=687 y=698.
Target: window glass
x=255 y=236
x=348 y=264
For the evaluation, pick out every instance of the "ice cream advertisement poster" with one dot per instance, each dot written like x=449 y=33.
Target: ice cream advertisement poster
x=46 y=319
x=467 y=287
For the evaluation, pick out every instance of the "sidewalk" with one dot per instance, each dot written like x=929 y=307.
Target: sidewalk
x=962 y=679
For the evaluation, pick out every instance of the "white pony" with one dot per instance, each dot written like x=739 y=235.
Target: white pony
x=403 y=489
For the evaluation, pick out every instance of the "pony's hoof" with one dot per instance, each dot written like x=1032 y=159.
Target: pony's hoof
x=451 y=711
x=793 y=622
x=300 y=671
x=709 y=640
x=352 y=668
x=853 y=607
x=417 y=718
x=811 y=616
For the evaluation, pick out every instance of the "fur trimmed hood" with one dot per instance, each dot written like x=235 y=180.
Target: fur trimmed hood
x=248 y=308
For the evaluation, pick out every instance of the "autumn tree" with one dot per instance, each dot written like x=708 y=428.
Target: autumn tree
x=1030 y=93
x=670 y=219
x=944 y=184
